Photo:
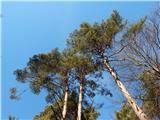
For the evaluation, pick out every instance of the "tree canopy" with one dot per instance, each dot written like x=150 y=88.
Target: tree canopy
x=71 y=77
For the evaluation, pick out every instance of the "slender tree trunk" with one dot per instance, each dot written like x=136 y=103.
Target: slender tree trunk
x=80 y=101
x=141 y=115
x=65 y=102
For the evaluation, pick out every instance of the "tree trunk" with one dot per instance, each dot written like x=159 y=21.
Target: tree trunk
x=141 y=115
x=65 y=103
x=80 y=101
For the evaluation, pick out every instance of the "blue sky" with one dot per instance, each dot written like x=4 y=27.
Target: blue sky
x=30 y=28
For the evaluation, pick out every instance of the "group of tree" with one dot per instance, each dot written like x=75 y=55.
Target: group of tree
x=130 y=53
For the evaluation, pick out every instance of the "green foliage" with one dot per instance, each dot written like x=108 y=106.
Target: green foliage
x=90 y=113
x=135 y=29
x=97 y=37
x=53 y=112
x=82 y=65
x=40 y=71
x=126 y=113
x=49 y=71
x=81 y=59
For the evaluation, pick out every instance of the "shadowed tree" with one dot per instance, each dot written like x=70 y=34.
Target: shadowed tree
x=98 y=40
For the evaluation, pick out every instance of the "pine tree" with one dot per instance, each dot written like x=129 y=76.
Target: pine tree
x=44 y=71
x=81 y=66
x=97 y=40
x=59 y=73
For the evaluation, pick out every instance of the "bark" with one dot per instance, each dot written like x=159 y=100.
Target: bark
x=65 y=103
x=80 y=102
x=141 y=115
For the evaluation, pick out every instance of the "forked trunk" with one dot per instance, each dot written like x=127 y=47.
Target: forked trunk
x=138 y=111
x=80 y=102
x=65 y=103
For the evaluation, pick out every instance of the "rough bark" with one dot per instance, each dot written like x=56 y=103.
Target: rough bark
x=80 y=102
x=141 y=115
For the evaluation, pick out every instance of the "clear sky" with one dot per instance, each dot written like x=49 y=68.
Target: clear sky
x=30 y=28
